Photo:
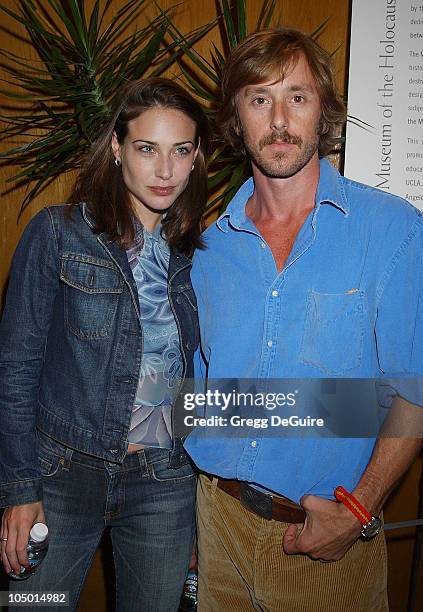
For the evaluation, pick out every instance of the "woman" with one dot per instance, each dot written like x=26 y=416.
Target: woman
x=98 y=334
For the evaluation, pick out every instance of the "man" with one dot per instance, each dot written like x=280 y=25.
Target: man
x=307 y=274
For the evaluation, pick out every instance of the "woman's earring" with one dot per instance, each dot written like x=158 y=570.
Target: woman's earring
x=118 y=162
x=192 y=167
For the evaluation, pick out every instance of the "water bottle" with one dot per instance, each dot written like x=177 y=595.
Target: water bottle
x=188 y=601
x=37 y=550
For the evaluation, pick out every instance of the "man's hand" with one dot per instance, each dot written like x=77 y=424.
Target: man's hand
x=15 y=526
x=329 y=530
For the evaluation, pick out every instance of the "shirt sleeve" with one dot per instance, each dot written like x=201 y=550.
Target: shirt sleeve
x=34 y=280
x=399 y=323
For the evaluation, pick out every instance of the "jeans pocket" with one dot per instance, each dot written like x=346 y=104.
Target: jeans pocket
x=333 y=332
x=48 y=468
x=161 y=472
x=50 y=456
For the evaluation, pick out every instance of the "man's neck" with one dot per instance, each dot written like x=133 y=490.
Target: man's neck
x=283 y=199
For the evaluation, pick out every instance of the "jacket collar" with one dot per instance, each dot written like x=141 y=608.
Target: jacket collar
x=177 y=261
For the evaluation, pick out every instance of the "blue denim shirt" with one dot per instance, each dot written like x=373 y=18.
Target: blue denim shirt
x=348 y=303
x=71 y=345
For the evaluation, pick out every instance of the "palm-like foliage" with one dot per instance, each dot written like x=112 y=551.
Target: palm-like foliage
x=227 y=168
x=83 y=62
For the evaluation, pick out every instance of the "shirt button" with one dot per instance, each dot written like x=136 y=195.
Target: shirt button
x=270 y=343
x=263 y=245
x=275 y=293
x=254 y=443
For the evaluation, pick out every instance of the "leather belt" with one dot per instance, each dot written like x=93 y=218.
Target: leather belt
x=267 y=506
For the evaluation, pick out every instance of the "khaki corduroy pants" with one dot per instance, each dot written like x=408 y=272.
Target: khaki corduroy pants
x=242 y=565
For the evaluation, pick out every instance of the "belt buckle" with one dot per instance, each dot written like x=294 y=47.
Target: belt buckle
x=256 y=501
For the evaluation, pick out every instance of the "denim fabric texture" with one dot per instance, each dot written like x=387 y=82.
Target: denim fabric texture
x=348 y=303
x=149 y=508
x=71 y=346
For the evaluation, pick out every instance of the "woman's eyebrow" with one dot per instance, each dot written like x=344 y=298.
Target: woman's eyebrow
x=150 y=142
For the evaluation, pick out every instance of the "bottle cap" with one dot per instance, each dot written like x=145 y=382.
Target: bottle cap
x=38 y=532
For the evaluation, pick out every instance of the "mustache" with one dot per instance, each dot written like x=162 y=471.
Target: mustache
x=284 y=136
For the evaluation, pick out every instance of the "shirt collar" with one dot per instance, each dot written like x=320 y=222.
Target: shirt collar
x=329 y=191
x=143 y=236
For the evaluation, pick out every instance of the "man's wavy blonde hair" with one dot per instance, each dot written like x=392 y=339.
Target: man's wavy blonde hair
x=268 y=55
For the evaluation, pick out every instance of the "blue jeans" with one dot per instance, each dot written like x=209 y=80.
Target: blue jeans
x=149 y=508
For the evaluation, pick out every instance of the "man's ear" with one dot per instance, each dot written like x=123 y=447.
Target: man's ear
x=116 y=147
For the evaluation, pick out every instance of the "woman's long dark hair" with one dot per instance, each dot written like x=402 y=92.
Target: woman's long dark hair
x=100 y=183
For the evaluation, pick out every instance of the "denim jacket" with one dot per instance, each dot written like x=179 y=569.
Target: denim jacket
x=71 y=344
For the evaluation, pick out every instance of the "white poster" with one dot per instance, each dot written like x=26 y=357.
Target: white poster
x=386 y=92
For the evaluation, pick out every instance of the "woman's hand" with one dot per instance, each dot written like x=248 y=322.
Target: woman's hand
x=15 y=526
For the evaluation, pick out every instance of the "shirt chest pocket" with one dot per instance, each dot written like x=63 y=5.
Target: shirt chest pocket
x=334 y=331
x=91 y=296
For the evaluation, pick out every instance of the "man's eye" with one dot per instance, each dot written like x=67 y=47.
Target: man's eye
x=298 y=99
x=259 y=101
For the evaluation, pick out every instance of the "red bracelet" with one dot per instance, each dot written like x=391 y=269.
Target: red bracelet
x=352 y=504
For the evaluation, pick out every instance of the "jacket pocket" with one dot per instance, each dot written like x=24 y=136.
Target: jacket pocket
x=333 y=333
x=185 y=294
x=91 y=296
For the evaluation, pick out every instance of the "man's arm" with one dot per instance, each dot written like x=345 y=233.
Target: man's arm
x=330 y=528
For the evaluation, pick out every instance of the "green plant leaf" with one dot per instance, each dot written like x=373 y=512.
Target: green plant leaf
x=196 y=88
x=197 y=59
x=316 y=33
x=220 y=60
x=241 y=19
x=229 y=22
x=266 y=13
x=83 y=58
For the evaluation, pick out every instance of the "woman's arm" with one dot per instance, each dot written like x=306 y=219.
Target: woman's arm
x=34 y=280
x=24 y=327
